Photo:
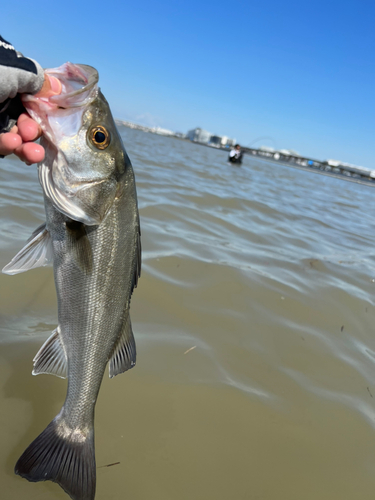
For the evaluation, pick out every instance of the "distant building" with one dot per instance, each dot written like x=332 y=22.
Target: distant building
x=162 y=131
x=199 y=135
x=215 y=140
x=349 y=167
x=333 y=163
x=289 y=152
x=226 y=141
x=222 y=141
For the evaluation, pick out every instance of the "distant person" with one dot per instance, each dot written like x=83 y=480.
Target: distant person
x=235 y=156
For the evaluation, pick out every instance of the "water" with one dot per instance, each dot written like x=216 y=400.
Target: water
x=254 y=321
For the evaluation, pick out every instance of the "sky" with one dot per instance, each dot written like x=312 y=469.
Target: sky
x=292 y=75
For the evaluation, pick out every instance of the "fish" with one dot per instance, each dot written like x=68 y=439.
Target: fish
x=92 y=236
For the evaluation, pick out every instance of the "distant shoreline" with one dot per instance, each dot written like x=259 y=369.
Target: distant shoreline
x=359 y=175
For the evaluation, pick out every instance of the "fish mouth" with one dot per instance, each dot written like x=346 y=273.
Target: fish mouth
x=78 y=87
x=61 y=115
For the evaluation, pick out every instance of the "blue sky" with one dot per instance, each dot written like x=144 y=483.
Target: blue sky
x=299 y=73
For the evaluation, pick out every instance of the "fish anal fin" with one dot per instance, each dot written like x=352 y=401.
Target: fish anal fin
x=65 y=456
x=51 y=357
x=124 y=355
x=36 y=253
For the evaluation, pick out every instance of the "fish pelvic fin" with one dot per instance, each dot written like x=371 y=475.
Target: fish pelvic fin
x=124 y=355
x=51 y=357
x=36 y=253
x=64 y=456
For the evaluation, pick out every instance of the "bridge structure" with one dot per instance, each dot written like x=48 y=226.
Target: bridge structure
x=328 y=167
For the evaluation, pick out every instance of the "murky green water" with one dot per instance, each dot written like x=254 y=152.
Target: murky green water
x=268 y=272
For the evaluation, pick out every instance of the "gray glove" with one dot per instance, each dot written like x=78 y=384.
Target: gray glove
x=18 y=75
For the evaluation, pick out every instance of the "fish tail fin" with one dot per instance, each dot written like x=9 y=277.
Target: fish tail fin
x=65 y=456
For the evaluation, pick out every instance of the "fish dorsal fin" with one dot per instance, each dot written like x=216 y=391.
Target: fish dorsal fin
x=36 y=253
x=51 y=357
x=124 y=355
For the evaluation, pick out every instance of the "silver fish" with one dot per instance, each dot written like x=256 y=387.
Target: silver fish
x=92 y=234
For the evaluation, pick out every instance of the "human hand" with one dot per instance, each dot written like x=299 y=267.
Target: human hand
x=19 y=139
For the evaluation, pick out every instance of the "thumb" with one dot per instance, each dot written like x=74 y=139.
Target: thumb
x=51 y=86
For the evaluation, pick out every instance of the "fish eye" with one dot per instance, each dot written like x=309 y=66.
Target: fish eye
x=99 y=136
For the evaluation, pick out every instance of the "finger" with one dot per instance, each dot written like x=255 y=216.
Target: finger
x=22 y=117
x=28 y=129
x=51 y=86
x=30 y=152
x=9 y=142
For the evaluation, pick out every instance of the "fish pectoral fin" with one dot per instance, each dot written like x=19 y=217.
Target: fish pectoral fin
x=137 y=269
x=51 y=357
x=36 y=253
x=124 y=355
x=81 y=246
